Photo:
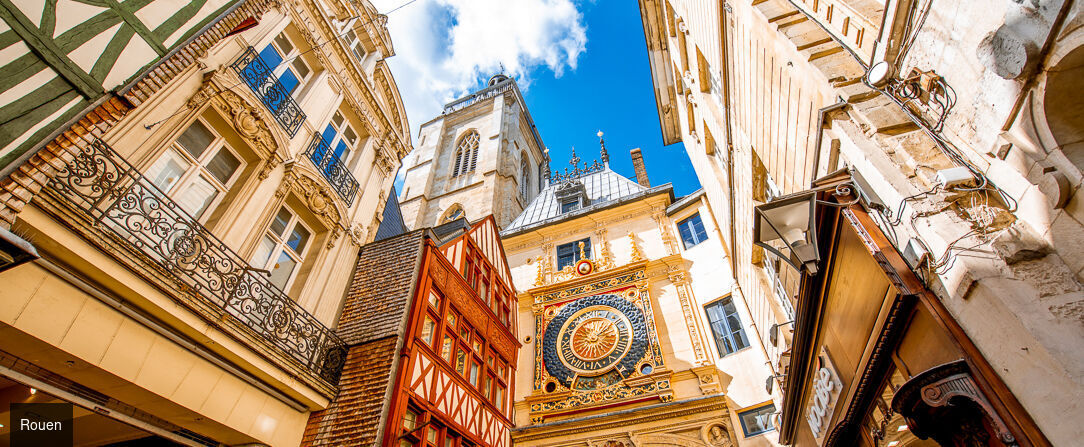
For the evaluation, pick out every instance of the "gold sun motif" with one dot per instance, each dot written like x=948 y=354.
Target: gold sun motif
x=594 y=339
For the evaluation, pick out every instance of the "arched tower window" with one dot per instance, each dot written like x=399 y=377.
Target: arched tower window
x=454 y=212
x=466 y=154
x=524 y=178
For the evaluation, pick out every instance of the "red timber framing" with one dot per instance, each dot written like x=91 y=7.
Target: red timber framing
x=456 y=383
x=913 y=298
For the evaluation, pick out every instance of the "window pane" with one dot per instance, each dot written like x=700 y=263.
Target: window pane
x=460 y=360
x=301 y=68
x=432 y=436
x=223 y=165
x=446 y=348
x=196 y=138
x=289 y=80
x=498 y=397
x=299 y=238
x=410 y=419
x=278 y=226
x=271 y=57
x=328 y=136
x=473 y=373
x=195 y=196
x=165 y=172
x=338 y=119
x=428 y=325
x=757 y=421
x=434 y=300
x=284 y=43
x=350 y=136
x=283 y=268
x=486 y=386
x=451 y=321
x=263 y=251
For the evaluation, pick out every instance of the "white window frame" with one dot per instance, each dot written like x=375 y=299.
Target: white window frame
x=280 y=245
x=197 y=166
x=340 y=135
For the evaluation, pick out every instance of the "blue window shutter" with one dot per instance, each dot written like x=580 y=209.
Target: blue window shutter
x=289 y=81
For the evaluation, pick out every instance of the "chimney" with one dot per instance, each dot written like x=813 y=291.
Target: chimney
x=638 y=165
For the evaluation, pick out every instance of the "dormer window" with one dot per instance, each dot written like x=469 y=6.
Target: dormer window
x=568 y=206
x=354 y=43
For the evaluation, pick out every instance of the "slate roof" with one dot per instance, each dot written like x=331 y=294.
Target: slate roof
x=604 y=188
x=391 y=221
x=380 y=291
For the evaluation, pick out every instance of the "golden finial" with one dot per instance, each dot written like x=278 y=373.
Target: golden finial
x=583 y=254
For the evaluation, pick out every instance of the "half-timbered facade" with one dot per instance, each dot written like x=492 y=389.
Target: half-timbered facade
x=432 y=345
x=197 y=212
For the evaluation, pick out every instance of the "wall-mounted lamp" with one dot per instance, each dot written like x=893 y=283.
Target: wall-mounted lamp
x=771 y=379
x=792 y=220
x=773 y=331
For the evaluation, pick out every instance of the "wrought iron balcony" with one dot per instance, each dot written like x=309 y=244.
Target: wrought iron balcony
x=132 y=219
x=319 y=152
x=263 y=82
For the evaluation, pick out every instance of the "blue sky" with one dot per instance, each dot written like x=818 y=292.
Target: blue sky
x=582 y=67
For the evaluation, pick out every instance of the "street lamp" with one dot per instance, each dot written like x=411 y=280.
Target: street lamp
x=791 y=219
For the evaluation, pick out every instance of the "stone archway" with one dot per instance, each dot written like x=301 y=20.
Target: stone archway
x=1062 y=96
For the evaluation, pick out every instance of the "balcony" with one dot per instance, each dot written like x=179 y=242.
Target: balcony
x=340 y=179
x=263 y=82
x=101 y=195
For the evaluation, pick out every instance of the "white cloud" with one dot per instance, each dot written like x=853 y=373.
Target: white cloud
x=444 y=48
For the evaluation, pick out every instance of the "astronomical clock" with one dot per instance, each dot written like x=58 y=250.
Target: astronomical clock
x=597 y=344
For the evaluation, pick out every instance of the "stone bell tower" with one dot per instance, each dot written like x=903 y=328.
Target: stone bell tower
x=481 y=156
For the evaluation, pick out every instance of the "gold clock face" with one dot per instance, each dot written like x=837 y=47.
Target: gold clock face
x=594 y=340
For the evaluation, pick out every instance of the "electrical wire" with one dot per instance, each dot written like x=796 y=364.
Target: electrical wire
x=335 y=37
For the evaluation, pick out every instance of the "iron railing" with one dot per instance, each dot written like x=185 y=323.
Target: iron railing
x=118 y=199
x=263 y=82
x=340 y=179
x=480 y=95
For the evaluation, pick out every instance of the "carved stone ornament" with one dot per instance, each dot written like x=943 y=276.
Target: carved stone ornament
x=316 y=197
x=717 y=435
x=945 y=404
x=248 y=120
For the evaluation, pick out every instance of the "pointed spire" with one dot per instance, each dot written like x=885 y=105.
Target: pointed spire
x=574 y=161
x=604 y=156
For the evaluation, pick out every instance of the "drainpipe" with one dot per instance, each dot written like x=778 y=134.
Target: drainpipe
x=822 y=114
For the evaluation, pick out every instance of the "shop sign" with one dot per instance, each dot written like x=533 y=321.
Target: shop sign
x=823 y=397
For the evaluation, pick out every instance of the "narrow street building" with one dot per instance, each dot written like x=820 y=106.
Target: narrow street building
x=432 y=349
x=192 y=210
x=900 y=181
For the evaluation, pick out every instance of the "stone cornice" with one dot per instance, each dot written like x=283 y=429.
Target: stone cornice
x=677 y=411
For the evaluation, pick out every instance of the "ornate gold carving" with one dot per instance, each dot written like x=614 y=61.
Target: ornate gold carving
x=636 y=255
x=680 y=279
x=605 y=258
x=668 y=241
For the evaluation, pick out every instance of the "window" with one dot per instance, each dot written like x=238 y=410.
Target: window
x=541 y=175
x=340 y=137
x=569 y=253
x=692 y=231
x=524 y=177
x=466 y=154
x=453 y=213
x=757 y=420
x=726 y=326
x=570 y=205
x=352 y=42
x=293 y=71
x=196 y=170
x=283 y=247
